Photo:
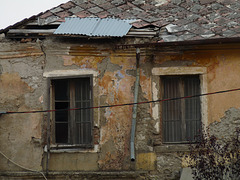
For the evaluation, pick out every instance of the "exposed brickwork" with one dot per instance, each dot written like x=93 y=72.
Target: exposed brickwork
x=96 y=135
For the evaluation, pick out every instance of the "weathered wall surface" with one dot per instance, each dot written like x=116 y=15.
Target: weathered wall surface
x=225 y=130
x=23 y=87
x=222 y=74
x=21 y=90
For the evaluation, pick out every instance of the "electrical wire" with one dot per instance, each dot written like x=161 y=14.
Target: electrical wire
x=97 y=107
x=127 y=104
x=32 y=170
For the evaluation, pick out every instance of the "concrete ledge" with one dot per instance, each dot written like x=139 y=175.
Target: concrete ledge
x=169 y=148
x=74 y=174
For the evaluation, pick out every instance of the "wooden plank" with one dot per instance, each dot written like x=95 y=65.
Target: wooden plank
x=31 y=31
x=142 y=30
x=37 y=24
x=183 y=112
x=141 y=33
x=52 y=102
x=72 y=128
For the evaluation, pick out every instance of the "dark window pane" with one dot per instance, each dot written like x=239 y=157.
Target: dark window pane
x=61 y=89
x=172 y=110
x=82 y=89
x=84 y=114
x=193 y=107
x=61 y=116
x=181 y=118
x=61 y=132
x=73 y=93
x=83 y=135
x=83 y=129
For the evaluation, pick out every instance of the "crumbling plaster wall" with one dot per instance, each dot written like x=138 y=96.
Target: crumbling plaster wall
x=23 y=87
x=222 y=74
x=112 y=85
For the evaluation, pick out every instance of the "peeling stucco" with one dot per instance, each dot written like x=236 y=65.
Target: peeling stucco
x=23 y=82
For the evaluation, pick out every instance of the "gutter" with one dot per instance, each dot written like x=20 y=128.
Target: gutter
x=134 y=114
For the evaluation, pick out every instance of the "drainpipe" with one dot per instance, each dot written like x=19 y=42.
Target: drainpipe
x=134 y=114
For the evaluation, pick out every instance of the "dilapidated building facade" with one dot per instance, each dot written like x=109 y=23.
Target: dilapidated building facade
x=81 y=87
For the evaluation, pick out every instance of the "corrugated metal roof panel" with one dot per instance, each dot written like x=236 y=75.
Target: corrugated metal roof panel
x=94 y=27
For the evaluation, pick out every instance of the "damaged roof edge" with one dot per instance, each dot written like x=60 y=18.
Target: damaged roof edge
x=25 y=20
x=5 y=30
x=181 y=43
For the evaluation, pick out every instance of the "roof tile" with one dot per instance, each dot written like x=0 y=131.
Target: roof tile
x=216 y=6
x=188 y=19
x=63 y=14
x=147 y=6
x=160 y=23
x=177 y=2
x=86 y=5
x=206 y=1
x=106 y=6
x=150 y=19
x=46 y=14
x=103 y=14
x=76 y=9
x=136 y=11
x=181 y=22
x=67 y=5
x=126 y=15
x=79 y=1
x=187 y=36
x=228 y=33
x=141 y=24
x=196 y=7
x=83 y=14
x=236 y=29
x=115 y=10
x=48 y=20
x=139 y=2
x=98 y=2
x=118 y=2
x=226 y=2
x=95 y=10
x=56 y=10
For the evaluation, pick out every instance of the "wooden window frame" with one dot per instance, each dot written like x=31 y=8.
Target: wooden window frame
x=157 y=72
x=181 y=79
x=52 y=117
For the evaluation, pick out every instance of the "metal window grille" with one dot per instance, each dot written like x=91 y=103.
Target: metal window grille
x=73 y=127
x=181 y=118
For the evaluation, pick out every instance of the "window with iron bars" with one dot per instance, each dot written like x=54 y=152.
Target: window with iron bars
x=181 y=119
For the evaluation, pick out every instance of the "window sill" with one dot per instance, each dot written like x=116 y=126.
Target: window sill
x=170 y=148
x=71 y=149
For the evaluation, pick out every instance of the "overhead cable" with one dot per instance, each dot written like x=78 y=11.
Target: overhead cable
x=28 y=169
x=119 y=105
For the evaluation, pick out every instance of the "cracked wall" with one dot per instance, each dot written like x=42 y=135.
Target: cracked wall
x=222 y=67
x=24 y=68
x=20 y=90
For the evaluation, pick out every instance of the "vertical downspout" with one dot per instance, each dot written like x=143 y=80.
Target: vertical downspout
x=48 y=125
x=134 y=114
